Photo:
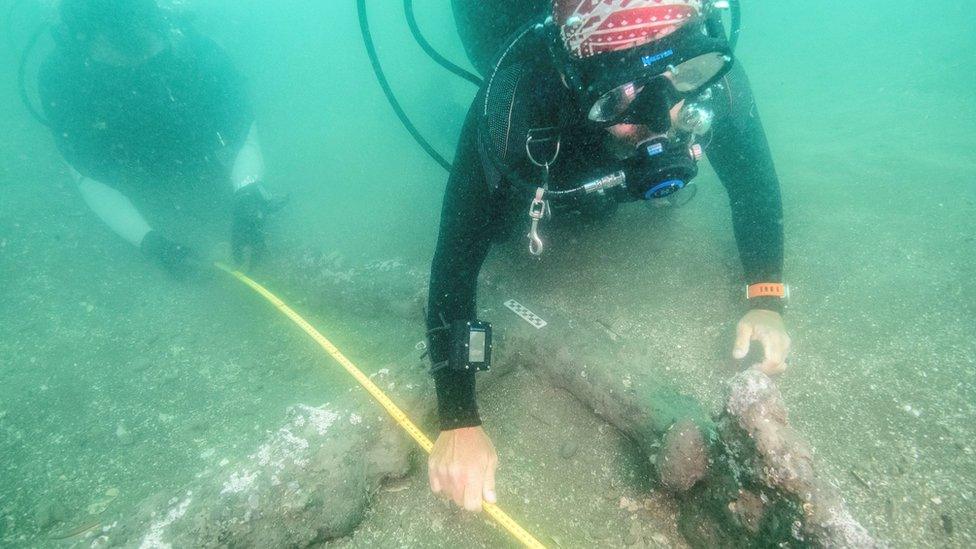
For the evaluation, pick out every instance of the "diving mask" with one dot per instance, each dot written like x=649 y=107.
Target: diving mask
x=640 y=85
x=627 y=102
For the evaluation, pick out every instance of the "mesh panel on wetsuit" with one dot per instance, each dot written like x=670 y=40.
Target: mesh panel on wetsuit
x=505 y=125
x=522 y=97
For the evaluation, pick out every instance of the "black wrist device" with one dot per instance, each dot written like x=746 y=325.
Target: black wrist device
x=470 y=346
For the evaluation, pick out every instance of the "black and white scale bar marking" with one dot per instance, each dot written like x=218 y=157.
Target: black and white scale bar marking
x=526 y=314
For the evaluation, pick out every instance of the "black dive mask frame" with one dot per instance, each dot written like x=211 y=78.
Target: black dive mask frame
x=652 y=71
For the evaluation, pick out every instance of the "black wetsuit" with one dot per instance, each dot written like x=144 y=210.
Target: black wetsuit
x=475 y=207
x=179 y=116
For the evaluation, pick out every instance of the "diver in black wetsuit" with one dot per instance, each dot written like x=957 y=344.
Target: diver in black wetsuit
x=628 y=89
x=134 y=99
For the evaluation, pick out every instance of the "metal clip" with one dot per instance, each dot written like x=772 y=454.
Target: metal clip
x=540 y=207
x=537 y=210
x=543 y=136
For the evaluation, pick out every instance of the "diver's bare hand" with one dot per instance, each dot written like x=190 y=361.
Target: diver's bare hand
x=462 y=467
x=767 y=328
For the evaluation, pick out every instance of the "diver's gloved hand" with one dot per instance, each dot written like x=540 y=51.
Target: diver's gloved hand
x=462 y=466
x=180 y=261
x=252 y=205
x=767 y=328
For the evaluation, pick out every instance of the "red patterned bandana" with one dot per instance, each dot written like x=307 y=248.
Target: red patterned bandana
x=590 y=27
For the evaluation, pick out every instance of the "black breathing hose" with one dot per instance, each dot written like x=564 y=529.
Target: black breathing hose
x=22 y=73
x=430 y=51
x=385 y=85
x=736 y=9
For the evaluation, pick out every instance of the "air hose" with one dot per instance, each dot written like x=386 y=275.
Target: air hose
x=430 y=51
x=22 y=73
x=715 y=26
x=388 y=92
x=505 y=521
x=735 y=7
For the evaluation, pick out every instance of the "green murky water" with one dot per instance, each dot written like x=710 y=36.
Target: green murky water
x=118 y=384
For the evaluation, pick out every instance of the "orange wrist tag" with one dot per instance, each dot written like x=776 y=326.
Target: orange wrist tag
x=766 y=289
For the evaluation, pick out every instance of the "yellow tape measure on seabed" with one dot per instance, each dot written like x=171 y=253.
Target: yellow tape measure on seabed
x=491 y=509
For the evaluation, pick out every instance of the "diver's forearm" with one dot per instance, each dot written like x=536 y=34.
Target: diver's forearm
x=457 y=405
x=114 y=209
x=249 y=164
x=740 y=154
x=453 y=296
x=462 y=246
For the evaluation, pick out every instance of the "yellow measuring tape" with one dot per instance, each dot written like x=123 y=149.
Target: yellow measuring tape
x=491 y=509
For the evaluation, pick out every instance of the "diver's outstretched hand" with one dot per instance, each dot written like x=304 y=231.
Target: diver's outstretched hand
x=462 y=467
x=252 y=206
x=767 y=328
